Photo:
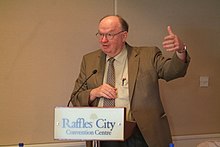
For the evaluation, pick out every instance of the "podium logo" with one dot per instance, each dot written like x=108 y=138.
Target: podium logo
x=82 y=123
x=103 y=123
x=78 y=123
x=79 y=126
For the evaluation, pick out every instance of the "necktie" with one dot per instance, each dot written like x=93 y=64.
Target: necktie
x=110 y=81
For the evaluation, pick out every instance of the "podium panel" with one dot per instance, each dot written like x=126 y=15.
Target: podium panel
x=89 y=123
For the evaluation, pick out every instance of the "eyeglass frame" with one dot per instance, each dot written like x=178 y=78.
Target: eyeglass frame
x=107 y=35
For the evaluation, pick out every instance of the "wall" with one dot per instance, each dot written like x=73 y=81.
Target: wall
x=41 y=46
x=191 y=109
x=42 y=42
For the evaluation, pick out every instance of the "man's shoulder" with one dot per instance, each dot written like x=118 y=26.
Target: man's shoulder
x=95 y=53
x=143 y=49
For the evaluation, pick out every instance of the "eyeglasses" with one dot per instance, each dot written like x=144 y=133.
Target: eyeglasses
x=109 y=36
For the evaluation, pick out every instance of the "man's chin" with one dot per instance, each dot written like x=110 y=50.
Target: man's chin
x=106 y=49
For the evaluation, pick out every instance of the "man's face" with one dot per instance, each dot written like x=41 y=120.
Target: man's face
x=111 y=26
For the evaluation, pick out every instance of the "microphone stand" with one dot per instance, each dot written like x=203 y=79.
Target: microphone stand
x=93 y=72
x=95 y=143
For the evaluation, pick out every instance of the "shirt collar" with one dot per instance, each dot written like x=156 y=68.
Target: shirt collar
x=119 y=58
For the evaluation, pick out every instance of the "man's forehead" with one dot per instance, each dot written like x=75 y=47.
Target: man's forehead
x=109 y=25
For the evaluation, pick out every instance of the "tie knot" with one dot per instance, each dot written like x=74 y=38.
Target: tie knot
x=111 y=60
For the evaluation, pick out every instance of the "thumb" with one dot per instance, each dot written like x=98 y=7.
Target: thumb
x=170 y=32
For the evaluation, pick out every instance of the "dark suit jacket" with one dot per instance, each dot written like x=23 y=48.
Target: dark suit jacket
x=145 y=66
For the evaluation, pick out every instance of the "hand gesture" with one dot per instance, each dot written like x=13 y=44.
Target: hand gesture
x=172 y=42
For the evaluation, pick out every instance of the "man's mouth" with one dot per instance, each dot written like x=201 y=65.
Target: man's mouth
x=105 y=45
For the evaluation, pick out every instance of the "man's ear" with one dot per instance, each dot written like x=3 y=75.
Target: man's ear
x=125 y=36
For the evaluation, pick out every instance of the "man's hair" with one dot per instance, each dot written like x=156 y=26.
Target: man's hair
x=122 y=21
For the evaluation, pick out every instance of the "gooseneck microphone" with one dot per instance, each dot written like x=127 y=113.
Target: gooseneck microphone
x=93 y=72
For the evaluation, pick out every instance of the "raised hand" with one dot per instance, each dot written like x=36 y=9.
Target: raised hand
x=172 y=42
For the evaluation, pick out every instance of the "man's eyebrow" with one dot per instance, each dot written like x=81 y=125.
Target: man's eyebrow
x=106 y=33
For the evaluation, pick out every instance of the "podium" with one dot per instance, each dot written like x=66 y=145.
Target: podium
x=89 y=124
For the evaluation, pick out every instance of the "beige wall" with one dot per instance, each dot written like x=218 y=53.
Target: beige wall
x=42 y=42
x=191 y=109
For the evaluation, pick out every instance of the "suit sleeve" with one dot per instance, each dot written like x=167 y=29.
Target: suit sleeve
x=170 y=68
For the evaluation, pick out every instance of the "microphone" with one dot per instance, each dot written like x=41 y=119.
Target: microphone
x=93 y=72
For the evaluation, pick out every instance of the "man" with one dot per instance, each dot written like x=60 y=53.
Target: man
x=137 y=70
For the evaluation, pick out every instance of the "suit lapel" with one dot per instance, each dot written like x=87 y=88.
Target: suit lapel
x=101 y=69
x=133 y=66
x=100 y=73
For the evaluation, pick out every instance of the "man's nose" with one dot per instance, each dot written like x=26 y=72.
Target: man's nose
x=104 y=39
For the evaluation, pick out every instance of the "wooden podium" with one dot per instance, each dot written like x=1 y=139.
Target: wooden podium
x=89 y=124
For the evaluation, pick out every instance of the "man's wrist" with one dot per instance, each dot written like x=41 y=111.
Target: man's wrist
x=183 y=50
x=92 y=95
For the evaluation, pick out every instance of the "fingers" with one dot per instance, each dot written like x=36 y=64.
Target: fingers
x=171 y=36
x=171 y=41
x=170 y=32
x=171 y=47
x=106 y=91
x=110 y=94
